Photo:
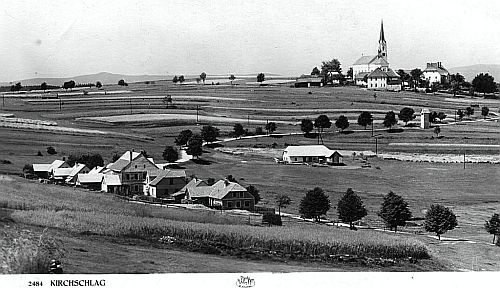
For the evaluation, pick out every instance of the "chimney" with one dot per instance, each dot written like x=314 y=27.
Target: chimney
x=131 y=155
x=439 y=64
x=226 y=182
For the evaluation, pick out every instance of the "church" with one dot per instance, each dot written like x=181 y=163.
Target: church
x=373 y=71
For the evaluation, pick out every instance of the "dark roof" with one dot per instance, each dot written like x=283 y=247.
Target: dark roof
x=378 y=73
x=165 y=174
x=362 y=75
x=436 y=67
x=365 y=60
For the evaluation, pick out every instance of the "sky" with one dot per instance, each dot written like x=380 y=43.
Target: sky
x=69 y=38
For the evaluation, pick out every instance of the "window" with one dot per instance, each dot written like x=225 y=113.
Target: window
x=144 y=165
x=247 y=203
x=136 y=166
x=229 y=204
x=295 y=159
x=241 y=194
x=238 y=204
x=234 y=195
x=171 y=181
x=127 y=176
x=136 y=188
x=136 y=176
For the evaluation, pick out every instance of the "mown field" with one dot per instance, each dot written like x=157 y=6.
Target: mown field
x=471 y=192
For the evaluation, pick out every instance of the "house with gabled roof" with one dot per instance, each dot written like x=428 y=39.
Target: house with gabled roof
x=180 y=196
x=91 y=181
x=436 y=73
x=311 y=154
x=45 y=170
x=164 y=183
x=132 y=169
x=223 y=193
x=78 y=169
x=384 y=79
x=307 y=81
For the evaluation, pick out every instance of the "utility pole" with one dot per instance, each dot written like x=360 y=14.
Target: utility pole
x=376 y=146
x=372 y=127
x=197 y=113
x=60 y=104
x=248 y=120
x=464 y=159
x=130 y=99
x=3 y=100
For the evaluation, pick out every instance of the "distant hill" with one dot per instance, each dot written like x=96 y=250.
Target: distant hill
x=104 y=77
x=110 y=78
x=469 y=72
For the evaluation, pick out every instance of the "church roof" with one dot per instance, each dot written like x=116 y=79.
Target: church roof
x=365 y=60
x=382 y=38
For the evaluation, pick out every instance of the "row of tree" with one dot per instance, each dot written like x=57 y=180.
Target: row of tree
x=394 y=211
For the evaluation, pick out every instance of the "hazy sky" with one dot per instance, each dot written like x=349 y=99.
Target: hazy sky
x=69 y=38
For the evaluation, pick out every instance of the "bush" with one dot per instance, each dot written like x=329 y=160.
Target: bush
x=271 y=219
x=39 y=153
x=51 y=150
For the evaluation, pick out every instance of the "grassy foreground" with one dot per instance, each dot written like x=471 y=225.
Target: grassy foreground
x=79 y=211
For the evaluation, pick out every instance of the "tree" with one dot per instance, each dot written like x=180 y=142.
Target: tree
x=183 y=137
x=306 y=126
x=170 y=154
x=232 y=78
x=350 y=208
x=321 y=123
x=255 y=193
x=261 y=77
x=457 y=78
x=390 y=119
x=259 y=131
x=439 y=219
x=350 y=73
x=43 y=86
x=203 y=76
x=69 y=85
x=394 y=211
x=342 y=122
x=176 y=79
x=238 y=130
x=469 y=111
x=122 y=83
x=405 y=77
x=270 y=127
x=315 y=71
x=90 y=160
x=460 y=114
x=493 y=226
x=314 y=204
x=98 y=84
x=28 y=169
x=416 y=75
x=365 y=119
x=406 y=114
x=209 y=133
x=181 y=79
x=115 y=158
x=484 y=111
x=282 y=201
x=194 y=146
x=16 y=87
x=328 y=68
x=484 y=83
x=441 y=116
x=437 y=130
x=51 y=150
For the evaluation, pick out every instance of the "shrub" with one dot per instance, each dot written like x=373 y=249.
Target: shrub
x=51 y=150
x=271 y=218
x=39 y=153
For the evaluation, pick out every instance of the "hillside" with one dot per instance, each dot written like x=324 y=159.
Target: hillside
x=471 y=71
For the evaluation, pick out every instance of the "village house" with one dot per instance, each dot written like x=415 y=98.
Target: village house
x=311 y=154
x=45 y=170
x=384 y=79
x=92 y=181
x=223 y=194
x=180 y=196
x=164 y=183
x=307 y=81
x=126 y=176
x=78 y=169
x=436 y=73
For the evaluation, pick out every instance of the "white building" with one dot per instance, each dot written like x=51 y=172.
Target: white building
x=384 y=79
x=436 y=73
x=311 y=154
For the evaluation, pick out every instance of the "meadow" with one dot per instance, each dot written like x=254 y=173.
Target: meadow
x=471 y=192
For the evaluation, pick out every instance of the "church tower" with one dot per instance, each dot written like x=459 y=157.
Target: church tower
x=382 y=45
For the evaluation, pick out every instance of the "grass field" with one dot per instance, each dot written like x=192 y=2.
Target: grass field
x=472 y=192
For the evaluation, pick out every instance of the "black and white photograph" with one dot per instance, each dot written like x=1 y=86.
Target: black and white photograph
x=249 y=143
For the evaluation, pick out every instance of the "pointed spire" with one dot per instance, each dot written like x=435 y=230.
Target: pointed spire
x=382 y=38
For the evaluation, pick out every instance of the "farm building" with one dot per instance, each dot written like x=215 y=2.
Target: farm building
x=181 y=195
x=111 y=183
x=384 y=79
x=91 y=181
x=45 y=170
x=164 y=183
x=224 y=194
x=131 y=169
x=311 y=154
x=77 y=170
x=308 y=81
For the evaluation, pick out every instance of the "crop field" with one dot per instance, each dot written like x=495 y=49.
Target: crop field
x=140 y=119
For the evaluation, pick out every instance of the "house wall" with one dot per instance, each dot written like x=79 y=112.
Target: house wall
x=239 y=200
x=432 y=77
x=166 y=187
x=377 y=82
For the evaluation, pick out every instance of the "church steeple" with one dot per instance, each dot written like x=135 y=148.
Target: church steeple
x=382 y=45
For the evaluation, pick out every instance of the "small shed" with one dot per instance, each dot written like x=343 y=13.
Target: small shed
x=424 y=119
x=307 y=82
